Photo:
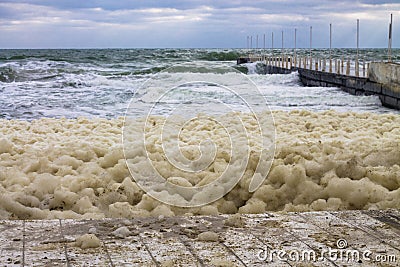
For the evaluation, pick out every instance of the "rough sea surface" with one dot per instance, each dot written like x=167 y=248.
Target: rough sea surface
x=100 y=82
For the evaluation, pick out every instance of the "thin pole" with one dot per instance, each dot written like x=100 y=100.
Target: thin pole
x=330 y=48
x=247 y=42
x=310 y=47
x=330 y=40
x=257 y=42
x=264 y=41
x=390 y=39
x=282 y=51
x=358 y=45
x=295 y=41
x=272 y=41
x=251 y=42
x=358 y=36
x=272 y=47
x=310 y=39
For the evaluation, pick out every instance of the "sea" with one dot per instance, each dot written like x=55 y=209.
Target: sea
x=71 y=83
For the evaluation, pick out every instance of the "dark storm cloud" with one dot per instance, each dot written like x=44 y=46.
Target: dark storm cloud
x=188 y=23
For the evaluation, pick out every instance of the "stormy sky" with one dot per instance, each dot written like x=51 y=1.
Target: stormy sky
x=194 y=23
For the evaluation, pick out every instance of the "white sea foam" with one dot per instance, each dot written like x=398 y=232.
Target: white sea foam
x=61 y=168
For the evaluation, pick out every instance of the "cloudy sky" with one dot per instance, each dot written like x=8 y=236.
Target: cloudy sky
x=194 y=23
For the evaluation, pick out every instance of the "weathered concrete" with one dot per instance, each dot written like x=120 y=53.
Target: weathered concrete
x=387 y=74
x=173 y=241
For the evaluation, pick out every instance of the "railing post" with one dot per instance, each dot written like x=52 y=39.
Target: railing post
x=324 y=65
x=363 y=67
x=337 y=66
x=316 y=64
x=330 y=65
x=342 y=65
x=284 y=61
x=348 y=67
x=311 y=61
x=305 y=62
x=357 y=68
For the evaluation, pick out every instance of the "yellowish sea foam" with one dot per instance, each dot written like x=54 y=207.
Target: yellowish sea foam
x=75 y=168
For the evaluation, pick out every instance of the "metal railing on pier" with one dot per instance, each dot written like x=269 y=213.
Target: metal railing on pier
x=341 y=65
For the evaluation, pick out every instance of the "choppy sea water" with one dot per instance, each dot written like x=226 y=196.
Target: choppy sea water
x=101 y=82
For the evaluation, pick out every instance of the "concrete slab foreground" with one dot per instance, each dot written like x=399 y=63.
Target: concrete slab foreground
x=345 y=238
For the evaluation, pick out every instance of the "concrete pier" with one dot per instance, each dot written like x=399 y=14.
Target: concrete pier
x=383 y=79
x=340 y=238
x=388 y=75
x=352 y=85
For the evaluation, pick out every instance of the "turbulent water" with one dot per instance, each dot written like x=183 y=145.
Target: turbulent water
x=100 y=83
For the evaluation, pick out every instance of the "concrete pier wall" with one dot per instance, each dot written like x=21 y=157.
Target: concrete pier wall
x=388 y=75
x=385 y=73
